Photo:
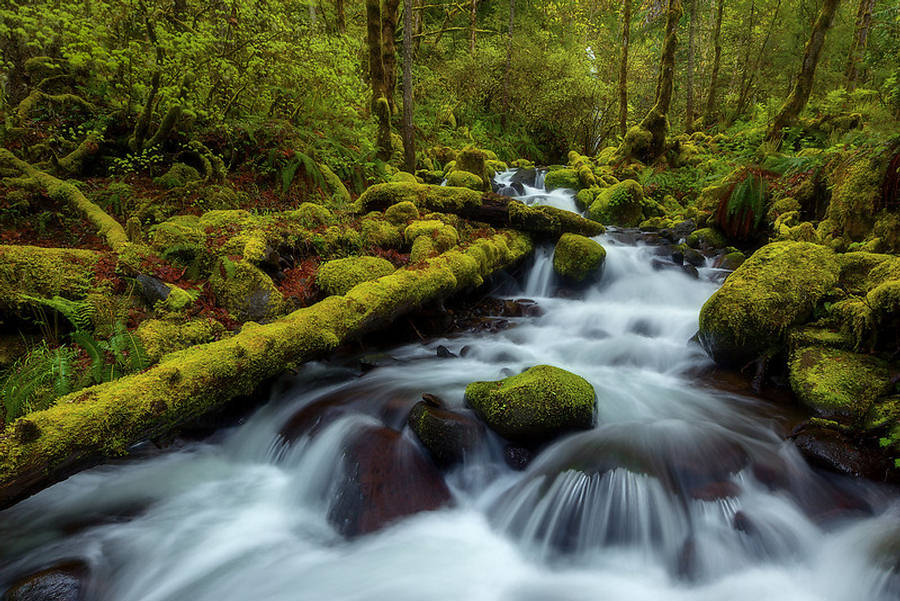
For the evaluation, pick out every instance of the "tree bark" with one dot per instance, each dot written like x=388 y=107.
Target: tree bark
x=689 y=103
x=389 y=9
x=666 y=81
x=409 y=144
x=340 y=18
x=860 y=41
x=754 y=71
x=709 y=116
x=472 y=18
x=799 y=95
x=373 y=39
x=508 y=70
x=623 y=69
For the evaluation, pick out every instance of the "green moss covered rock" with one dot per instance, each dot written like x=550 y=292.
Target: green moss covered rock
x=575 y=257
x=340 y=275
x=311 y=215
x=380 y=233
x=706 y=238
x=445 y=236
x=562 y=178
x=535 y=406
x=776 y=288
x=621 y=204
x=402 y=212
x=838 y=384
x=464 y=179
x=177 y=176
x=245 y=291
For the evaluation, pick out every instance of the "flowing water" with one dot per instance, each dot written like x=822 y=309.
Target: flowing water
x=680 y=491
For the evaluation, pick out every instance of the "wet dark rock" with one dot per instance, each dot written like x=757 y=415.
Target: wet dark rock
x=524 y=177
x=444 y=353
x=836 y=452
x=742 y=523
x=684 y=229
x=511 y=189
x=686 y=561
x=714 y=491
x=371 y=361
x=152 y=289
x=433 y=400
x=678 y=257
x=449 y=436
x=645 y=328
x=694 y=257
x=691 y=271
x=317 y=415
x=385 y=477
x=465 y=351
x=62 y=582
x=517 y=457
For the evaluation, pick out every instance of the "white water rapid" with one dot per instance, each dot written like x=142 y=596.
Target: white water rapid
x=681 y=492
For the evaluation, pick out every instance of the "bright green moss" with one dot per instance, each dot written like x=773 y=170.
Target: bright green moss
x=820 y=336
x=437 y=230
x=706 y=238
x=534 y=406
x=179 y=299
x=403 y=176
x=464 y=179
x=178 y=176
x=311 y=215
x=837 y=384
x=160 y=337
x=337 y=241
x=562 y=178
x=619 y=205
x=45 y=272
x=777 y=287
x=402 y=212
x=422 y=248
x=585 y=197
x=446 y=199
x=245 y=291
x=577 y=257
x=855 y=194
x=380 y=233
x=340 y=275
x=571 y=222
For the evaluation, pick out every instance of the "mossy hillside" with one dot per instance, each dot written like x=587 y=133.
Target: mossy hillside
x=621 y=204
x=575 y=257
x=105 y=420
x=776 y=288
x=534 y=406
x=340 y=275
x=838 y=384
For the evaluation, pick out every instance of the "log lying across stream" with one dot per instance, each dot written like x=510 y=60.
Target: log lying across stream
x=87 y=426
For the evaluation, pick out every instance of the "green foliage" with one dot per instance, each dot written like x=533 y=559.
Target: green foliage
x=35 y=380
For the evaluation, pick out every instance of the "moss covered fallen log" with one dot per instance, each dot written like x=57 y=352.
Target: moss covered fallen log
x=486 y=207
x=30 y=177
x=105 y=420
x=45 y=272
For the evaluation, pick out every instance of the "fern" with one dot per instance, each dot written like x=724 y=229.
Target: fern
x=128 y=350
x=96 y=353
x=79 y=313
x=36 y=380
x=790 y=165
x=748 y=197
x=310 y=169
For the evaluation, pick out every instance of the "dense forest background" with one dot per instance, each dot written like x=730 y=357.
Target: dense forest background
x=525 y=79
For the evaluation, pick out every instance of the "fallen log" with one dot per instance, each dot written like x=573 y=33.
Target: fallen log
x=45 y=272
x=87 y=426
x=30 y=177
x=486 y=207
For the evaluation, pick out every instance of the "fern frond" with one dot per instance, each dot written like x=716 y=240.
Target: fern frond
x=79 y=313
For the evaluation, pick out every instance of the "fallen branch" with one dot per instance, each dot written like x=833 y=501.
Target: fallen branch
x=109 y=228
x=105 y=420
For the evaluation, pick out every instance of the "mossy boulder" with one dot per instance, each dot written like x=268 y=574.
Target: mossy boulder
x=776 y=288
x=402 y=212
x=380 y=233
x=340 y=275
x=178 y=176
x=464 y=179
x=403 y=176
x=311 y=215
x=445 y=236
x=245 y=291
x=576 y=258
x=706 y=238
x=535 y=406
x=160 y=337
x=562 y=178
x=838 y=384
x=448 y=435
x=621 y=204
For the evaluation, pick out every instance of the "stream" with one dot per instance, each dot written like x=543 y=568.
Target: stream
x=680 y=492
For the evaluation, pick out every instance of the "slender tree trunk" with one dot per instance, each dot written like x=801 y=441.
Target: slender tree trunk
x=472 y=17
x=709 y=116
x=389 y=9
x=623 y=68
x=799 y=95
x=312 y=12
x=666 y=80
x=689 y=103
x=340 y=18
x=508 y=69
x=380 y=107
x=743 y=63
x=754 y=71
x=860 y=41
x=409 y=144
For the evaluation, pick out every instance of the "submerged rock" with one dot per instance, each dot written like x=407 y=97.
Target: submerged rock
x=386 y=477
x=576 y=257
x=448 y=435
x=62 y=582
x=535 y=406
x=834 y=451
x=777 y=287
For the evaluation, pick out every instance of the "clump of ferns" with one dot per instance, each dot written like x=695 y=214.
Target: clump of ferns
x=742 y=204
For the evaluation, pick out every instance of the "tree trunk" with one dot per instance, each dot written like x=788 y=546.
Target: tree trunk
x=666 y=80
x=312 y=12
x=623 y=69
x=472 y=17
x=709 y=116
x=689 y=103
x=379 y=107
x=389 y=9
x=409 y=144
x=508 y=69
x=860 y=41
x=748 y=83
x=340 y=18
x=799 y=95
